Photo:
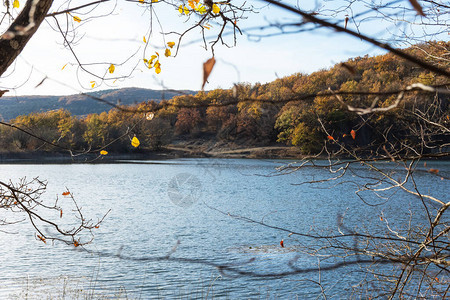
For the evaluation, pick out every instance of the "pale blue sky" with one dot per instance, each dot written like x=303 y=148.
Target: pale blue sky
x=114 y=38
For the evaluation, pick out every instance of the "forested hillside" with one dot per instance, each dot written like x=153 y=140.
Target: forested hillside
x=306 y=111
x=79 y=105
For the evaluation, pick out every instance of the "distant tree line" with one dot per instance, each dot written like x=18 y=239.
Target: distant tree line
x=300 y=110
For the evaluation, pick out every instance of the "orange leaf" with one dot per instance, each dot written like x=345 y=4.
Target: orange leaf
x=207 y=68
x=330 y=138
x=76 y=244
x=381 y=218
x=60 y=213
x=434 y=171
x=42 y=239
x=66 y=193
x=353 y=133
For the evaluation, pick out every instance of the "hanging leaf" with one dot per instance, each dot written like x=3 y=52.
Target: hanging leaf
x=434 y=171
x=42 y=239
x=103 y=152
x=92 y=84
x=60 y=213
x=330 y=138
x=207 y=68
x=170 y=44
x=63 y=67
x=167 y=53
x=2 y=92
x=349 y=68
x=353 y=133
x=135 y=142
x=215 y=9
x=111 y=68
x=157 y=67
x=346 y=22
x=180 y=9
x=76 y=19
x=201 y=9
x=76 y=243
x=66 y=193
x=145 y=40
x=417 y=7
x=16 y=4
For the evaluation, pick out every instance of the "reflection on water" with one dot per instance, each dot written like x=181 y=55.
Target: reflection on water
x=155 y=205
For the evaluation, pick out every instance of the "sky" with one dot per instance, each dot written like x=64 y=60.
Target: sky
x=114 y=33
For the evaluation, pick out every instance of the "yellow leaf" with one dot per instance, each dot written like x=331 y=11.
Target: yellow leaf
x=154 y=1
x=180 y=9
x=215 y=9
x=92 y=84
x=103 y=152
x=167 y=52
x=157 y=67
x=63 y=67
x=201 y=9
x=76 y=19
x=135 y=142
x=111 y=68
x=141 y=1
x=170 y=44
x=186 y=10
x=16 y=4
x=145 y=40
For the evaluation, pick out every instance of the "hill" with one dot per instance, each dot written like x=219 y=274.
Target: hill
x=79 y=105
x=295 y=112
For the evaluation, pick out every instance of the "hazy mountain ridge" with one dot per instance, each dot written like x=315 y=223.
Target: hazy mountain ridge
x=78 y=104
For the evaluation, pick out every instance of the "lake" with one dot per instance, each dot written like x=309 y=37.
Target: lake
x=157 y=206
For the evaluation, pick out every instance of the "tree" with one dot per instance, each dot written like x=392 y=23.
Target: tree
x=349 y=104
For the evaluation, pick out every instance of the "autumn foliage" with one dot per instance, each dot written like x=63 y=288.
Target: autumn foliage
x=294 y=110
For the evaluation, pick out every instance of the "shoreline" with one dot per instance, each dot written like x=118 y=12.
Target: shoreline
x=166 y=153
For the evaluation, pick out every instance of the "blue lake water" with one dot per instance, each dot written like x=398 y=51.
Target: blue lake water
x=156 y=205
